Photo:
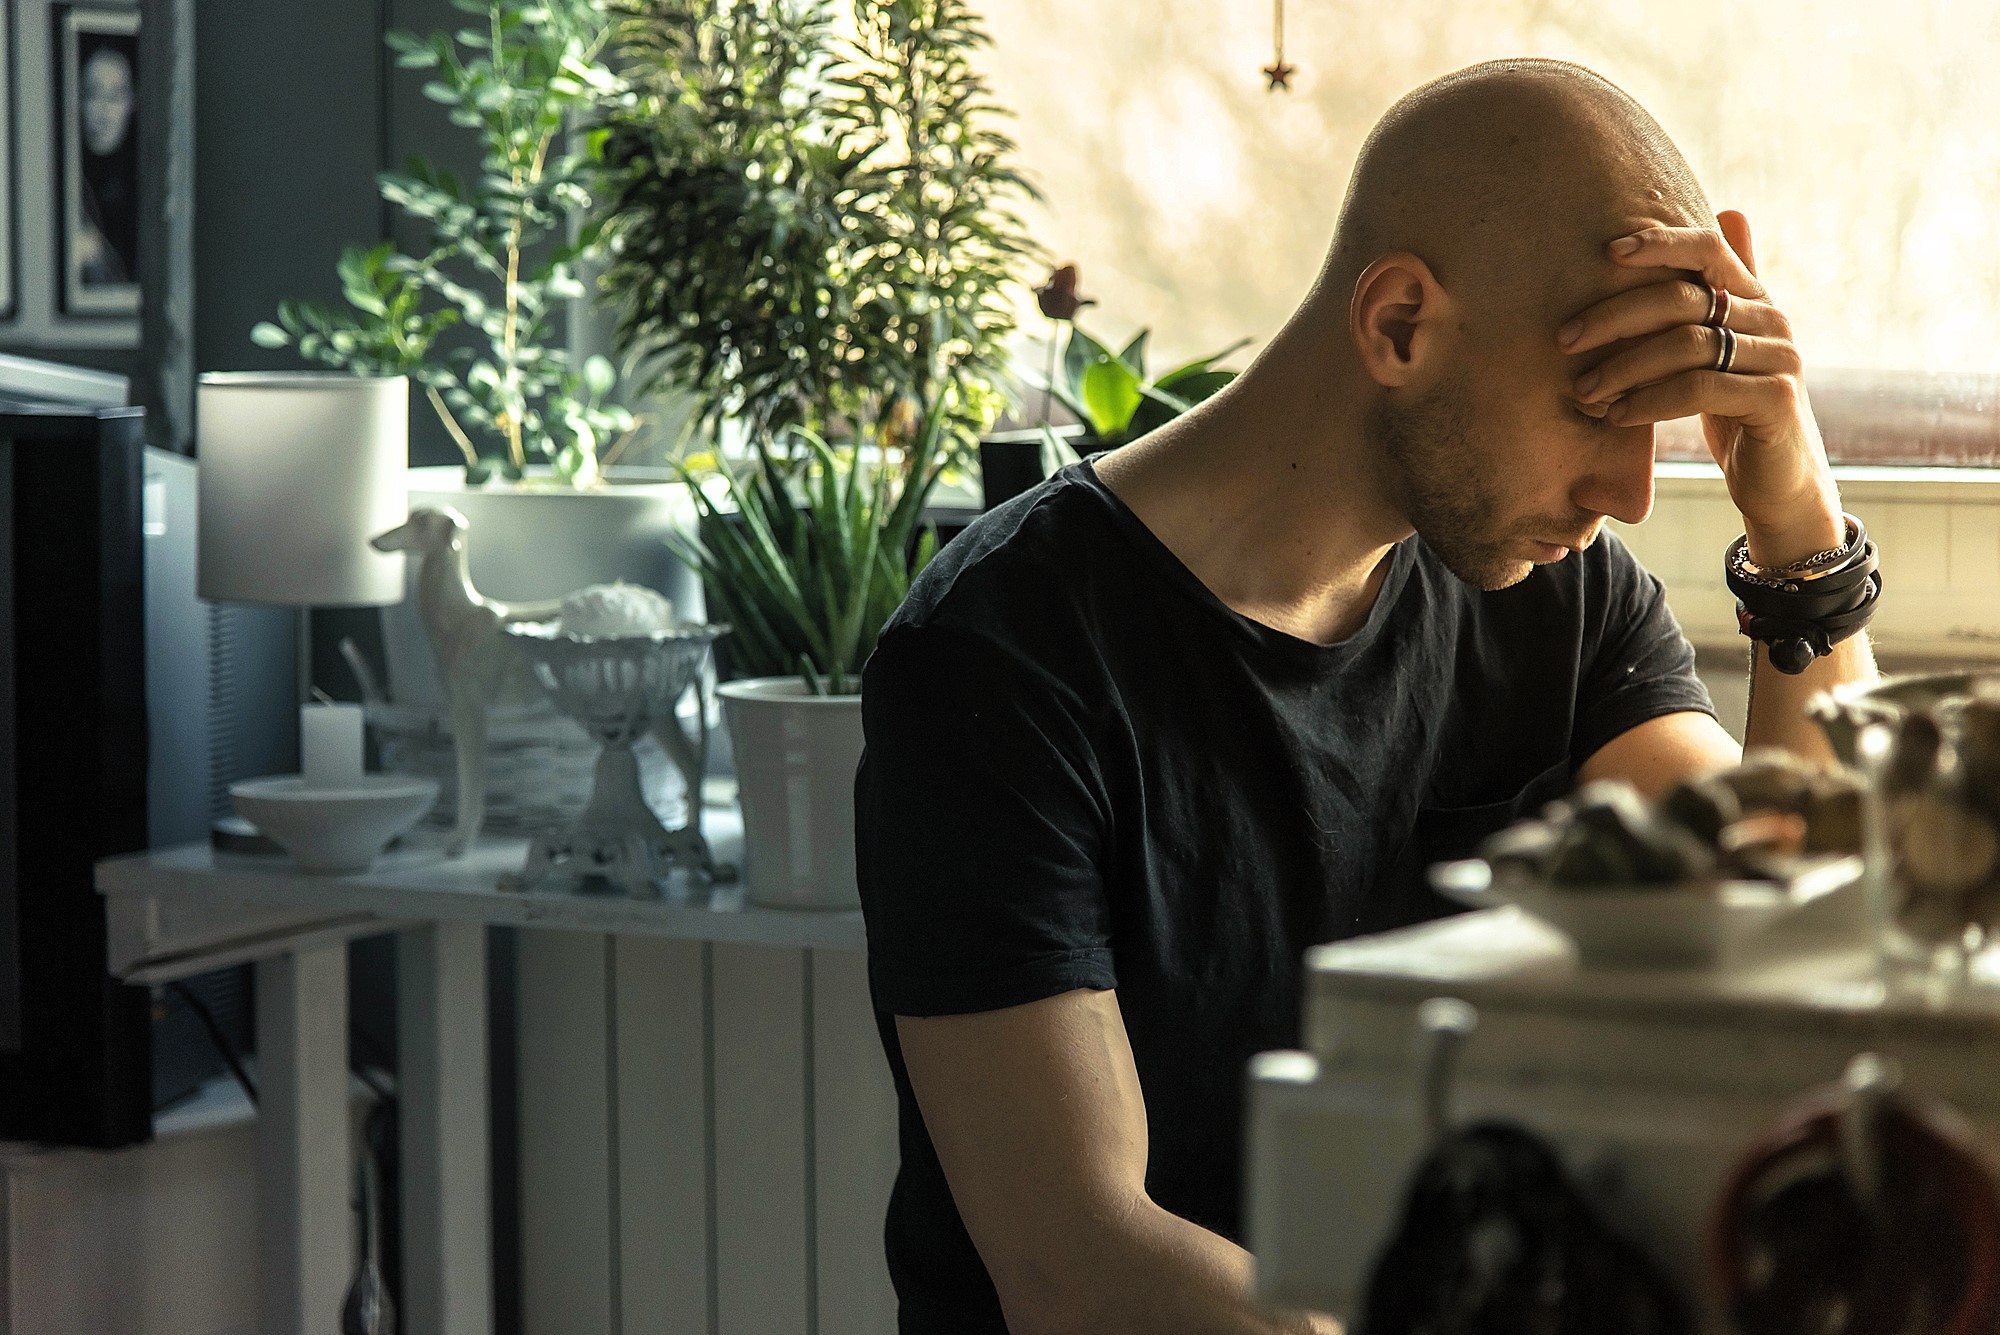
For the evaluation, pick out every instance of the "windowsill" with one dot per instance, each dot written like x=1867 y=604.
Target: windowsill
x=1878 y=481
x=1938 y=530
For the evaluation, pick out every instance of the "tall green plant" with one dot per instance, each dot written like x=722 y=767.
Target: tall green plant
x=499 y=259
x=812 y=232
x=810 y=229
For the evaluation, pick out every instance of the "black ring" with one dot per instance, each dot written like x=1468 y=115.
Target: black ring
x=1725 y=356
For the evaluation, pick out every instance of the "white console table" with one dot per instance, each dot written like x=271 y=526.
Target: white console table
x=708 y=1131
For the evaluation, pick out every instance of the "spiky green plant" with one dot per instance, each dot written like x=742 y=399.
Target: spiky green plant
x=807 y=562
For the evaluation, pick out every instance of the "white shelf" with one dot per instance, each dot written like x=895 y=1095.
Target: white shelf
x=419 y=883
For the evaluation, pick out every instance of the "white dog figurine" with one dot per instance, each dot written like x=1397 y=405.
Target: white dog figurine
x=480 y=668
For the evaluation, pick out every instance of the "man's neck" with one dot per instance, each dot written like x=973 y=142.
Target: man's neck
x=1270 y=494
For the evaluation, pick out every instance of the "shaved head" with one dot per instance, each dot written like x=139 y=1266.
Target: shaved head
x=1503 y=182
x=1507 y=177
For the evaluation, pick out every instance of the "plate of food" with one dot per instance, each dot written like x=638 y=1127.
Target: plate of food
x=1690 y=882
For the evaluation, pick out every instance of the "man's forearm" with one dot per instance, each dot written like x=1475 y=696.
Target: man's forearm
x=1154 y=1273
x=1778 y=702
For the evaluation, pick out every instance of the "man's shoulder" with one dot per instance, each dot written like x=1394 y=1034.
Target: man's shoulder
x=1014 y=570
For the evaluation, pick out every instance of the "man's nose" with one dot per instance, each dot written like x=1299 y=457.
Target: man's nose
x=1620 y=480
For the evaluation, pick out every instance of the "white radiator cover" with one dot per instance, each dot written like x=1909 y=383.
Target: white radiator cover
x=708 y=1139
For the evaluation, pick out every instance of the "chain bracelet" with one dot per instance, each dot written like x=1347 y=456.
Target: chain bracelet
x=1819 y=563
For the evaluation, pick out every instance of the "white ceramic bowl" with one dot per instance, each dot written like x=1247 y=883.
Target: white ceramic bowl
x=333 y=830
x=1671 y=926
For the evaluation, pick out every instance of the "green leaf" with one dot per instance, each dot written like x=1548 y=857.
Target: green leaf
x=1110 y=393
x=1200 y=363
x=267 y=335
x=814 y=682
x=599 y=375
x=1134 y=353
x=1191 y=386
x=1083 y=352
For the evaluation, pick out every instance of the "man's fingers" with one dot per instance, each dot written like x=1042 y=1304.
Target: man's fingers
x=1687 y=347
x=1736 y=231
x=1701 y=249
x=1658 y=307
x=1751 y=399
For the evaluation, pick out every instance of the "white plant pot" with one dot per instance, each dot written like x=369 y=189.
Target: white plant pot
x=539 y=541
x=796 y=754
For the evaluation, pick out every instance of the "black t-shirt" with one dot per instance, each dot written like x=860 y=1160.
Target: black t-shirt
x=1084 y=770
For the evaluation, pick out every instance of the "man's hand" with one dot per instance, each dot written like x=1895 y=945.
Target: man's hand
x=1755 y=416
x=1760 y=429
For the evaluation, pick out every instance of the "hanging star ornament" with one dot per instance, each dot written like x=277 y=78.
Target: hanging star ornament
x=1278 y=71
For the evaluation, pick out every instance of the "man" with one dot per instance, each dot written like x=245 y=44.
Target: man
x=1142 y=736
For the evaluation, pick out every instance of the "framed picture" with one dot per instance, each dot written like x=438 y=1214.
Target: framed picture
x=97 y=105
x=8 y=271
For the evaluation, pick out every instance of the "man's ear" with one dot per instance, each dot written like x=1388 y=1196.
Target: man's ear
x=1397 y=318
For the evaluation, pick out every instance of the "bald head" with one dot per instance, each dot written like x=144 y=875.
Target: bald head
x=1506 y=178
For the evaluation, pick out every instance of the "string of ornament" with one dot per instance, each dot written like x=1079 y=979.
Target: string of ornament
x=1278 y=72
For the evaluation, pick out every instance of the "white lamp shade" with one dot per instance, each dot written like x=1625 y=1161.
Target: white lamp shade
x=297 y=472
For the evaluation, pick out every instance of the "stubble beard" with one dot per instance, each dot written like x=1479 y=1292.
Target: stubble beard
x=1443 y=483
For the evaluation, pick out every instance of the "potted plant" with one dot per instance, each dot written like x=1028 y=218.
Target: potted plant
x=1109 y=394
x=496 y=260
x=470 y=315
x=811 y=232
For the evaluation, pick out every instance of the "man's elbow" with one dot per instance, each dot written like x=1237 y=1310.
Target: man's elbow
x=1070 y=1310
x=1062 y=1291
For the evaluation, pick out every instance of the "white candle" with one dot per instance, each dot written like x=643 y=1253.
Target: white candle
x=330 y=746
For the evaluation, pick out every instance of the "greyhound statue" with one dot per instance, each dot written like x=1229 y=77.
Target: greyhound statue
x=480 y=668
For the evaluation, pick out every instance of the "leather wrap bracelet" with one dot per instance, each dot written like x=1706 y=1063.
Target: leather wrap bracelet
x=1799 y=614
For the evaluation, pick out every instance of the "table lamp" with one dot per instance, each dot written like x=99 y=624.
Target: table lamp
x=298 y=470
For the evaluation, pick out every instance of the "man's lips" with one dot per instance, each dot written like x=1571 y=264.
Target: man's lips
x=1556 y=551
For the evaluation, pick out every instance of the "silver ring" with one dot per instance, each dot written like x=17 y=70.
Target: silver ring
x=1725 y=355
x=1718 y=308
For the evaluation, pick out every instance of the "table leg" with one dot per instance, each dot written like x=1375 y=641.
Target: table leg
x=305 y=1165
x=441 y=1027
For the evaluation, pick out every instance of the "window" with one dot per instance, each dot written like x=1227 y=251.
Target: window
x=1857 y=136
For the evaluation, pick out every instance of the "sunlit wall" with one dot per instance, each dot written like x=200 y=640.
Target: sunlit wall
x=1861 y=138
